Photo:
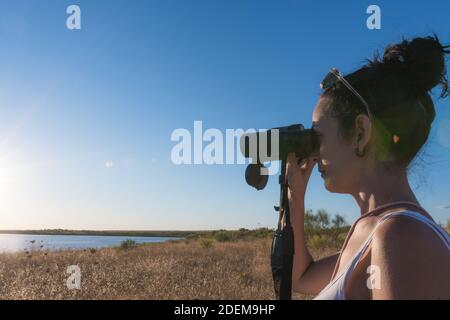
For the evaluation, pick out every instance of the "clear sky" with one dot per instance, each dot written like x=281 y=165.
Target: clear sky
x=87 y=115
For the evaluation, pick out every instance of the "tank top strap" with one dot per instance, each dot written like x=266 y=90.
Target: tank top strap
x=376 y=211
x=439 y=231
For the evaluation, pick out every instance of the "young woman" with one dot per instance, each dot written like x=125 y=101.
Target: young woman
x=371 y=125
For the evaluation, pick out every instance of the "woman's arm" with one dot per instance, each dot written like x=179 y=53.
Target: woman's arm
x=308 y=276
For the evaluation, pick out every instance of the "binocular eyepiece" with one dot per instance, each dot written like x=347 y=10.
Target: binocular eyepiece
x=275 y=144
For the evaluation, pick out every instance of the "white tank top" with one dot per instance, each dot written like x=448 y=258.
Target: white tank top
x=335 y=289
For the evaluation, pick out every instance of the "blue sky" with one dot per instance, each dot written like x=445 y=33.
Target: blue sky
x=72 y=101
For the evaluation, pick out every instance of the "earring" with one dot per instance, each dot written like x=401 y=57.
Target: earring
x=359 y=153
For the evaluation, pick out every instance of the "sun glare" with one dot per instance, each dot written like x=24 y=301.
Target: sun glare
x=9 y=175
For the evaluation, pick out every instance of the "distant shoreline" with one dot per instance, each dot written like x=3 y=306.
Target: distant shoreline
x=187 y=234
x=123 y=233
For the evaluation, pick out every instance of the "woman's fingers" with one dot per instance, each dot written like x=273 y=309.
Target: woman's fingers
x=308 y=166
x=291 y=159
x=305 y=165
x=302 y=168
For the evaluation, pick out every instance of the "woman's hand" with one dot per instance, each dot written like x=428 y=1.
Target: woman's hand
x=298 y=174
x=308 y=276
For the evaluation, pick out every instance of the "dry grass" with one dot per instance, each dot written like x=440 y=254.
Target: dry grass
x=172 y=270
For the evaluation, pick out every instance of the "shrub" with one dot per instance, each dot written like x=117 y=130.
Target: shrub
x=128 y=243
x=318 y=242
x=263 y=233
x=223 y=236
x=205 y=242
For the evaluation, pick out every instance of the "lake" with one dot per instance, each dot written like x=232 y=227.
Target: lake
x=22 y=242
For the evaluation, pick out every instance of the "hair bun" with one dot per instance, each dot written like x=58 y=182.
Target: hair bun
x=421 y=62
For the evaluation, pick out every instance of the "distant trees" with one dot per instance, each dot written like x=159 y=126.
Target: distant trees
x=319 y=222
x=321 y=231
x=338 y=221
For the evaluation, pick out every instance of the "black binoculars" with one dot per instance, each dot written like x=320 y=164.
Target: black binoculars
x=275 y=144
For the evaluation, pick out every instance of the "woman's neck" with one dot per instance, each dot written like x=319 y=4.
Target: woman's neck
x=381 y=188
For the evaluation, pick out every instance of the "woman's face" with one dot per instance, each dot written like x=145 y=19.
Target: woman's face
x=339 y=166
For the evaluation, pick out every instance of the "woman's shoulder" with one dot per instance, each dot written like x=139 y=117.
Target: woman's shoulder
x=408 y=231
x=412 y=253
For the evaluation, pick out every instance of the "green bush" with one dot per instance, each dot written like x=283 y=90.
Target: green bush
x=263 y=233
x=205 y=242
x=223 y=236
x=318 y=242
x=128 y=243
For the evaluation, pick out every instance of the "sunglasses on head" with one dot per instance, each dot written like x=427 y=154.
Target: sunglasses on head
x=335 y=76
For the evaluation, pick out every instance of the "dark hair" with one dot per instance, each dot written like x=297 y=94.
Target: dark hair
x=396 y=87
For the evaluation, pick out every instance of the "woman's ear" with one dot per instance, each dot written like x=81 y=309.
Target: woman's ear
x=363 y=131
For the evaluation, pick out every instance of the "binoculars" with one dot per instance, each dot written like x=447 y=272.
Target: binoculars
x=275 y=144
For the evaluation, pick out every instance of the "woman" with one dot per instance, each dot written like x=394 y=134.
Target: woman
x=371 y=125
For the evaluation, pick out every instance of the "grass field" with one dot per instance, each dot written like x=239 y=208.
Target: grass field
x=186 y=269
x=211 y=265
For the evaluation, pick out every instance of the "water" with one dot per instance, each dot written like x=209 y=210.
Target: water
x=22 y=242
